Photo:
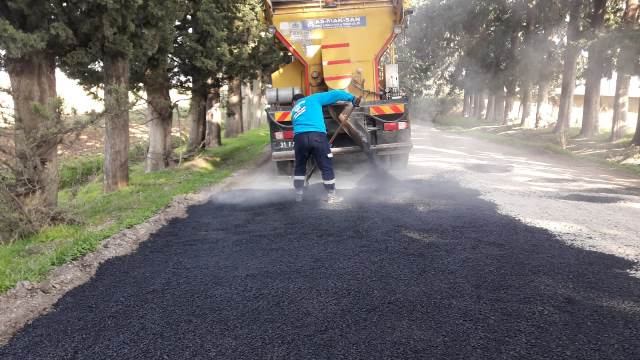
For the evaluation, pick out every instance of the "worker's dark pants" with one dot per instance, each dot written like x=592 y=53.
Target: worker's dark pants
x=313 y=144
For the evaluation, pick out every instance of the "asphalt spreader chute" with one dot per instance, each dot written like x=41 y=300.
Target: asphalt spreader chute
x=358 y=133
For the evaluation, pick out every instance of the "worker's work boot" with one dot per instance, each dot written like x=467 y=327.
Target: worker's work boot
x=332 y=198
x=299 y=195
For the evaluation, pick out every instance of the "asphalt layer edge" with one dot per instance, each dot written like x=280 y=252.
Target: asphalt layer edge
x=27 y=301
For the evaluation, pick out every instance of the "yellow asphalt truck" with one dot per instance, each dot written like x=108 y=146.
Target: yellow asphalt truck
x=346 y=45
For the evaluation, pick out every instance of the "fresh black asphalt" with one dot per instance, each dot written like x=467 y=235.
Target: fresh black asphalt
x=414 y=269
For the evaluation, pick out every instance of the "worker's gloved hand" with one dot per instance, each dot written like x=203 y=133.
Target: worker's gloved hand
x=356 y=101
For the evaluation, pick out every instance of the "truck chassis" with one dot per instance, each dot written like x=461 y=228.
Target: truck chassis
x=384 y=124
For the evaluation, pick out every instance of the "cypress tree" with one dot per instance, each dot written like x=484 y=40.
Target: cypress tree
x=32 y=36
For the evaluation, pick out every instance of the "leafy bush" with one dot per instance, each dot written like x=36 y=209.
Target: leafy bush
x=429 y=110
x=79 y=171
x=16 y=220
x=458 y=121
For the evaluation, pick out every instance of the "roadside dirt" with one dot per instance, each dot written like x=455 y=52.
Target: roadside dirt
x=90 y=141
x=22 y=304
x=600 y=148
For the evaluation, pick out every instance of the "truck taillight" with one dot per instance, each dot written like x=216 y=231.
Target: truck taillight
x=329 y=3
x=394 y=126
x=283 y=135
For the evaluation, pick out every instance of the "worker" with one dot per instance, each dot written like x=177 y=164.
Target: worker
x=310 y=139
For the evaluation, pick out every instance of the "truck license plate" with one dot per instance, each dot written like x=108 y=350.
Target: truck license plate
x=284 y=145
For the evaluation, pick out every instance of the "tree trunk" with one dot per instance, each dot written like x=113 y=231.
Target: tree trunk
x=252 y=98
x=197 y=118
x=37 y=123
x=625 y=67
x=636 y=137
x=509 y=102
x=234 y=126
x=256 y=102
x=116 y=139
x=593 y=74
x=571 y=54
x=475 y=103
x=483 y=104
x=159 y=117
x=511 y=81
x=214 y=120
x=472 y=103
x=525 y=95
x=247 y=110
x=168 y=136
x=527 y=78
x=620 y=105
x=499 y=106
x=466 y=104
x=591 y=108
x=490 y=108
x=568 y=87
x=542 y=103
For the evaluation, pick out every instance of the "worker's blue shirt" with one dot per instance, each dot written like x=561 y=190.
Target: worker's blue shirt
x=307 y=113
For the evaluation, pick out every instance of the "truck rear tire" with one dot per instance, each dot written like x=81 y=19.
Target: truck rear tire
x=284 y=168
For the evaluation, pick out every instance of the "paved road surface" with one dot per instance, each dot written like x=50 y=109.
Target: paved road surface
x=442 y=263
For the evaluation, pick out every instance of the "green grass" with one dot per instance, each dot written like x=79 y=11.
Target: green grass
x=103 y=215
x=78 y=171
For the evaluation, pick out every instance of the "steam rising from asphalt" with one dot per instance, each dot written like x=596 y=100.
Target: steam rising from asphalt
x=355 y=178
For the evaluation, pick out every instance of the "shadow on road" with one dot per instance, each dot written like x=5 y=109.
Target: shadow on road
x=410 y=269
x=592 y=198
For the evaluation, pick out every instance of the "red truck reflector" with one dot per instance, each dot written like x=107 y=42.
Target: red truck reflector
x=283 y=135
x=387 y=109
x=395 y=126
x=282 y=116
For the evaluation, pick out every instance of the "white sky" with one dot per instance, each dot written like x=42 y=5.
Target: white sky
x=75 y=97
x=73 y=94
x=608 y=87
